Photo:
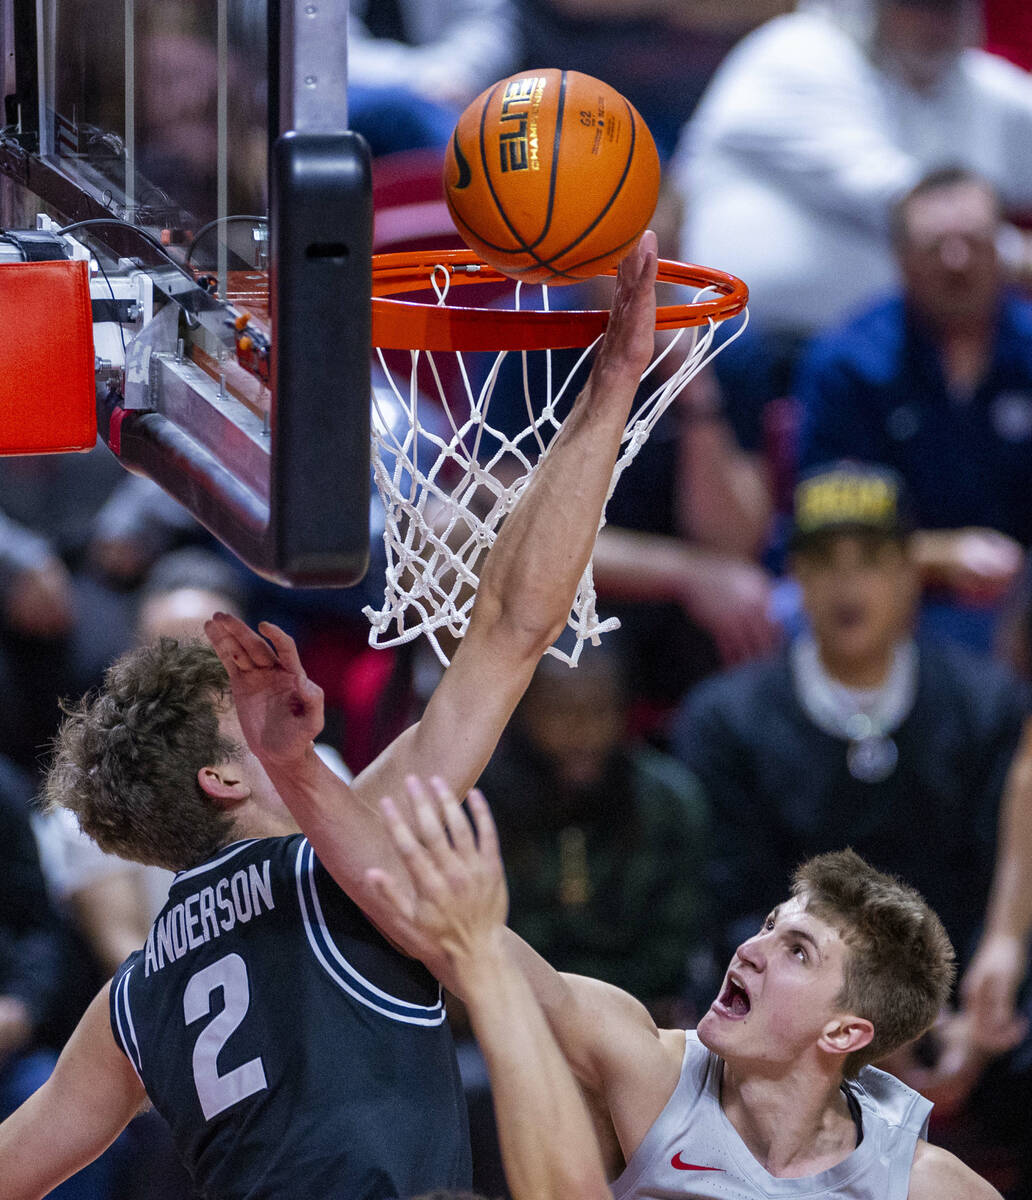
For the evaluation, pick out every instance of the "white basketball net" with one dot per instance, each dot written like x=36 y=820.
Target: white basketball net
x=437 y=529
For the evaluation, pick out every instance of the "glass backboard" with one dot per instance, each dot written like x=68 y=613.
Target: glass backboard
x=200 y=149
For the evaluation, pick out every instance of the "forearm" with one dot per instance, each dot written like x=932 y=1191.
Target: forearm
x=79 y=1111
x=28 y=1166
x=725 y=503
x=631 y=565
x=1009 y=912
x=560 y=1006
x=531 y=575
x=547 y=1140
x=342 y=822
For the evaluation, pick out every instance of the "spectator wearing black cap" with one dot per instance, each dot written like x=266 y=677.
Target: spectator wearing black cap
x=859 y=734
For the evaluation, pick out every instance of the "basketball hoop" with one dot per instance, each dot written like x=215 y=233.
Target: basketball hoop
x=441 y=516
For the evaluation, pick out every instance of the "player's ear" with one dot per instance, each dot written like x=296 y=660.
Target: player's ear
x=223 y=785
x=846 y=1034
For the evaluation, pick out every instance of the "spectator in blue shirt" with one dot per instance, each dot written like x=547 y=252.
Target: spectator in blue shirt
x=937 y=382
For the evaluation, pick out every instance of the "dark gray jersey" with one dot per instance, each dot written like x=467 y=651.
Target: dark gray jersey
x=693 y=1150
x=291 y=1049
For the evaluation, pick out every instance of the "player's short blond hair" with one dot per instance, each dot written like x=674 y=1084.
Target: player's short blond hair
x=899 y=967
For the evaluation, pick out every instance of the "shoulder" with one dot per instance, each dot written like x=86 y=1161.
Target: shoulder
x=867 y=343
x=939 y=1175
x=789 y=44
x=984 y=681
x=667 y=786
x=891 y=1100
x=735 y=693
x=994 y=78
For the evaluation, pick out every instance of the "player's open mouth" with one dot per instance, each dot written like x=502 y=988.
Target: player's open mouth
x=733 y=1001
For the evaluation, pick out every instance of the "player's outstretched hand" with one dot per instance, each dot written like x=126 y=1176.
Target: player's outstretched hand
x=458 y=901
x=631 y=332
x=280 y=708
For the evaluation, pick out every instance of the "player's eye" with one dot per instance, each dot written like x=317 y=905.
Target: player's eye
x=799 y=951
x=768 y=925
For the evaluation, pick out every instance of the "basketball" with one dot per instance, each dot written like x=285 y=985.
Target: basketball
x=551 y=176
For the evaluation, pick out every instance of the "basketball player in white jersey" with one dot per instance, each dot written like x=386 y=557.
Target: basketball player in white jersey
x=772 y=1095
x=769 y=1099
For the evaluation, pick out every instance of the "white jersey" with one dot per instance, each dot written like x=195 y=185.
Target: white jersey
x=693 y=1150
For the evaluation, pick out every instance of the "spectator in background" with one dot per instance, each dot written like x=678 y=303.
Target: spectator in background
x=31 y=969
x=813 y=128
x=76 y=534
x=414 y=65
x=860 y=735
x=183 y=589
x=937 y=383
x=660 y=54
x=604 y=838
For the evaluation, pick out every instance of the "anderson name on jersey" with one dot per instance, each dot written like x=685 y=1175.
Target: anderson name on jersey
x=291 y=1049
x=208 y=913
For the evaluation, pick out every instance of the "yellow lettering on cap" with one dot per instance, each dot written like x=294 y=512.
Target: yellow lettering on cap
x=845 y=500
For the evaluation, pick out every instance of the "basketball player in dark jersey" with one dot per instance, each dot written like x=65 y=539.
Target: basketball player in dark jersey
x=292 y=1051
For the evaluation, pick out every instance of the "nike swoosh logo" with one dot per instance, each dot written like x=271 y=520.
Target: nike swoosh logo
x=679 y=1165
x=465 y=174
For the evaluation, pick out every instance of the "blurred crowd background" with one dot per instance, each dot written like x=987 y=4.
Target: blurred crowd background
x=819 y=559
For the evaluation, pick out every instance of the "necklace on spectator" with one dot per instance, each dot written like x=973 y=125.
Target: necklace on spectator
x=863 y=717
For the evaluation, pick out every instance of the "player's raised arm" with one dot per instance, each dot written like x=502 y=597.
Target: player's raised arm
x=281 y=713
x=88 y=1100
x=458 y=904
x=526 y=590
x=530 y=577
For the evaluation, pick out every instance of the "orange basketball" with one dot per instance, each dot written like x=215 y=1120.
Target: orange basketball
x=551 y=176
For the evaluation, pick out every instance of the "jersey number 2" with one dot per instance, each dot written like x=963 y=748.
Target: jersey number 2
x=217 y=1092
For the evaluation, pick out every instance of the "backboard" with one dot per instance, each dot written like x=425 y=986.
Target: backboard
x=200 y=150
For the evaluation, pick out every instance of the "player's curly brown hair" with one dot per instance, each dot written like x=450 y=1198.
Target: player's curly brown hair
x=125 y=759
x=899 y=970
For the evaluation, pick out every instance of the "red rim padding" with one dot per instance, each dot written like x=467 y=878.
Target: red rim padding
x=411 y=325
